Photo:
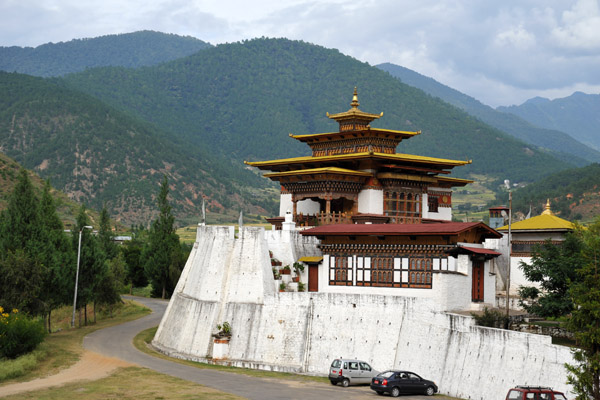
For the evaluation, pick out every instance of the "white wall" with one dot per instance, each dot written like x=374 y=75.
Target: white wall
x=370 y=201
x=308 y=207
x=305 y=331
x=285 y=204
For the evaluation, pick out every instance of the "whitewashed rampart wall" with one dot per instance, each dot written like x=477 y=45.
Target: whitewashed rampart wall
x=293 y=331
x=288 y=245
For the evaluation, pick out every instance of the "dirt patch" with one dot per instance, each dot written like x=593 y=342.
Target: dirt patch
x=91 y=366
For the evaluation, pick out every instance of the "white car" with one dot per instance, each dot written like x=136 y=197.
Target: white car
x=350 y=372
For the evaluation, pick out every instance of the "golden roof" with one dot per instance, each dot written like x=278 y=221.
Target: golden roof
x=359 y=156
x=334 y=170
x=403 y=134
x=546 y=222
x=354 y=112
x=453 y=181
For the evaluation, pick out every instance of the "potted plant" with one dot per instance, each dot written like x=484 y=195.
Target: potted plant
x=282 y=287
x=298 y=269
x=301 y=287
x=224 y=331
x=285 y=270
x=276 y=274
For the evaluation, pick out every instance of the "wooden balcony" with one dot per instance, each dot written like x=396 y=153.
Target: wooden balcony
x=333 y=218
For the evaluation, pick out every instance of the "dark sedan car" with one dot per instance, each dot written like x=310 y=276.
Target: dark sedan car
x=396 y=382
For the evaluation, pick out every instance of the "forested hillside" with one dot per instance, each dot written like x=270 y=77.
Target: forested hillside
x=563 y=145
x=101 y=156
x=65 y=207
x=578 y=115
x=574 y=194
x=244 y=98
x=127 y=50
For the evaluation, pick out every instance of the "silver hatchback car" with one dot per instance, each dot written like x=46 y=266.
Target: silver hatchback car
x=350 y=372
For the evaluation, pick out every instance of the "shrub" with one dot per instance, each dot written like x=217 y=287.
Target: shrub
x=490 y=318
x=19 y=334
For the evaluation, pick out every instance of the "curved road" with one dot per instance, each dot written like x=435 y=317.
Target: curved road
x=117 y=341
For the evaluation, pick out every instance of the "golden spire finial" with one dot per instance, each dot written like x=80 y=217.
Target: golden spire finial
x=547 y=210
x=355 y=102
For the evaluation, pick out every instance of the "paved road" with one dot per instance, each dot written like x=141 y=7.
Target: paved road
x=117 y=342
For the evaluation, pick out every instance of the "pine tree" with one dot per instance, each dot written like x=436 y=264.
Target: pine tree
x=22 y=239
x=58 y=257
x=585 y=319
x=161 y=255
x=92 y=267
x=106 y=236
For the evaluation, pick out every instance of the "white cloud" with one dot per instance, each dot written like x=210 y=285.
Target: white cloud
x=494 y=51
x=580 y=28
x=516 y=37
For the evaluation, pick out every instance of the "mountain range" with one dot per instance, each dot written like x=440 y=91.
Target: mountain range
x=129 y=50
x=106 y=135
x=564 y=143
x=578 y=115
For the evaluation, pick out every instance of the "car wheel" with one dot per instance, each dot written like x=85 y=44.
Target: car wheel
x=395 y=392
x=345 y=382
x=430 y=391
x=333 y=383
x=379 y=392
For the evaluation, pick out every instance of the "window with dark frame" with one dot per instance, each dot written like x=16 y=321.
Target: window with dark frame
x=341 y=272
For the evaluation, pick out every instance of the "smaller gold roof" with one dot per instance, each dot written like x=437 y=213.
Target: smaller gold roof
x=316 y=259
x=547 y=222
x=354 y=113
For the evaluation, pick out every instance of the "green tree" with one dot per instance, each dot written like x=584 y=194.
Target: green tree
x=584 y=321
x=106 y=236
x=59 y=258
x=92 y=266
x=21 y=280
x=162 y=255
x=132 y=252
x=553 y=267
x=22 y=239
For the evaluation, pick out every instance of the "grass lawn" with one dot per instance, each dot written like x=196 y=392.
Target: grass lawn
x=128 y=383
x=62 y=349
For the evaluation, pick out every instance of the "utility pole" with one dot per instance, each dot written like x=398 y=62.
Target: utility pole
x=508 y=259
x=77 y=274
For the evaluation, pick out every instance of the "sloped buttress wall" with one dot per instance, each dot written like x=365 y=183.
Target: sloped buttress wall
x=229 y=279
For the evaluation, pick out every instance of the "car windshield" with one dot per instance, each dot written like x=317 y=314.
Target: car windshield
x=386 y=374
x=336 y=364
x=514 y=395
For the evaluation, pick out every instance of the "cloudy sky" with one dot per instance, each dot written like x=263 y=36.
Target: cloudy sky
x=500 y=52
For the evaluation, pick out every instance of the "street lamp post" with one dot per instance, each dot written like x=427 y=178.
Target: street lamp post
x=77 y=274
x=508 y=259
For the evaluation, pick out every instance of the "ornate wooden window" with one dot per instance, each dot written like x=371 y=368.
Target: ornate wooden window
x=398 y=203
x=340 y=272
x=419 y=272
x=432 y=203
x=382 y=271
